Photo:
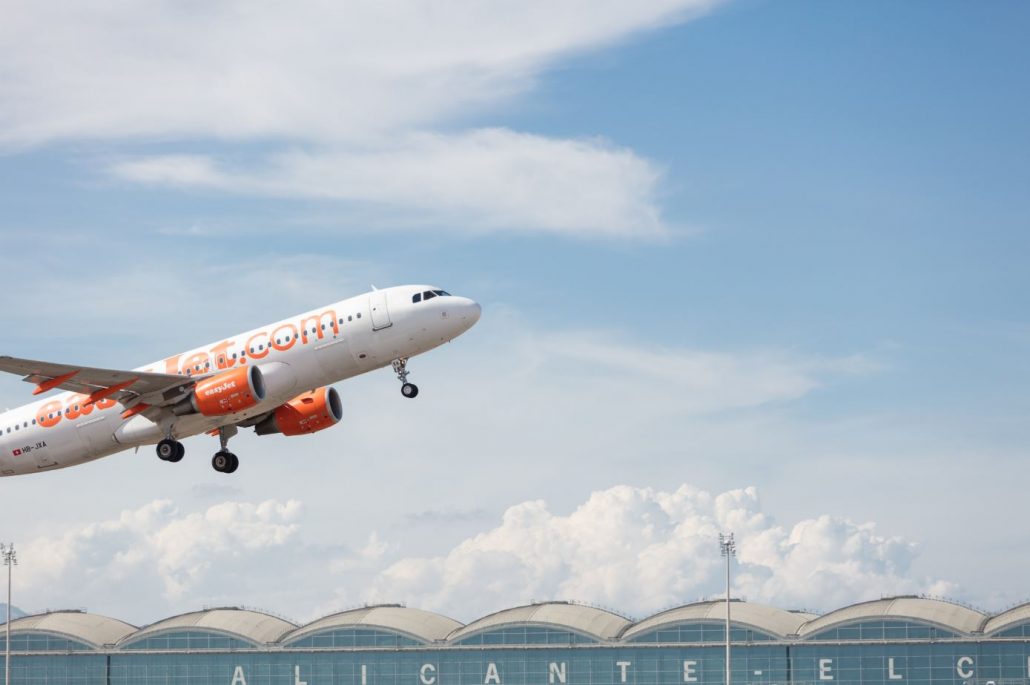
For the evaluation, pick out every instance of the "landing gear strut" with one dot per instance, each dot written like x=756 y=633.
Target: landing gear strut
x=170 y=449
x=225 y=461
x=400 y=367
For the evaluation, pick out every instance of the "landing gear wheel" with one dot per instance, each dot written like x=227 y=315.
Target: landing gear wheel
x=225 y=462
x=400 y=367
x=170 y=450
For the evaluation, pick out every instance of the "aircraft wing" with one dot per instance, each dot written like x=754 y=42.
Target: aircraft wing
x=127 y=387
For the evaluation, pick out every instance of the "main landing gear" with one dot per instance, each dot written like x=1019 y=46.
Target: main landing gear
x=400 y=367
x=225 y=461
x=170 y=450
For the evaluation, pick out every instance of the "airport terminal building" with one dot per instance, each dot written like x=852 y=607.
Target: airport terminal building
x=896 y=641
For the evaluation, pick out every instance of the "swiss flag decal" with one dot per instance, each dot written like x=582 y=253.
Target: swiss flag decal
x=17 y=453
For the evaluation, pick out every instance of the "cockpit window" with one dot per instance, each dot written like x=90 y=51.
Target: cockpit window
x=442 y=293
x=417 y=297
x=429 y=294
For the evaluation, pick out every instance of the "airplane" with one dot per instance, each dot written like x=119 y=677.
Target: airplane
x=274 y=379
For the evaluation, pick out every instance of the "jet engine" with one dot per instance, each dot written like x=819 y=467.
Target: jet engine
x=306 y=413
x=224 y=393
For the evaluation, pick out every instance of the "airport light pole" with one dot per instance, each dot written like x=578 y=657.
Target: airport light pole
x=10 y=560
x=729 y=550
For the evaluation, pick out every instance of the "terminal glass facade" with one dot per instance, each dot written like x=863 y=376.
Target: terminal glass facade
x=891 y=641
x=878 y=662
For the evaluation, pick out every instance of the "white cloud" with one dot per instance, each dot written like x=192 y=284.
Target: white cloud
x=158 y=555
x=304 y=70
x=635 y=549
x=360 y=85
x=642 y=550
x=481 y=180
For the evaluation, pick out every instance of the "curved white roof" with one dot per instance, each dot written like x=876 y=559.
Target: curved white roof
x=424 y=626
x=1008 y=619
x=252 y=626
x=953 y=617
x=75 y=625
x=758 y=616
x=597 y=623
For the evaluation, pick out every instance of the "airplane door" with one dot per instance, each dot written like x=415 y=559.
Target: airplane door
x=380 y=314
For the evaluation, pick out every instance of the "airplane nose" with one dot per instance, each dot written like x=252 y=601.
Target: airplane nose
x=474 y=310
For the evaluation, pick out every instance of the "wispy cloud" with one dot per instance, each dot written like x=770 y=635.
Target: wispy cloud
x=484 y=180
x=363 y=89
x=303 y=71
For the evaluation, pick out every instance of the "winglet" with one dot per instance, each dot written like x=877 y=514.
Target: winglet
x=374 y=288
x=45 y=386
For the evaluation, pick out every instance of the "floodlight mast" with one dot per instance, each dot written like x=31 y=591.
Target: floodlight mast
x=10 y=560
x=728 y=547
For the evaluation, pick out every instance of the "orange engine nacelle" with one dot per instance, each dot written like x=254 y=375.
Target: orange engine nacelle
x=307 y=413
x=224 y=393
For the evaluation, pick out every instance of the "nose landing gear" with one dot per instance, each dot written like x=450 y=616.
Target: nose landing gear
x=225 y=461
x=400 y=367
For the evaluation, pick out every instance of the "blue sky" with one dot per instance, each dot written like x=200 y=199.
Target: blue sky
x=779 y=245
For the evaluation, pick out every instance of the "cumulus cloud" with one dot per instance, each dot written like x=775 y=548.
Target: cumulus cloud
x=642 y=550
x=636 y=549
x=157 y=550
x=483 y=180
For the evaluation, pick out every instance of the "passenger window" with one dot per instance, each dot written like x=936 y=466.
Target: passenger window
x=417 y=297
x=429 y=294
x=359 y=315
x=350 y=318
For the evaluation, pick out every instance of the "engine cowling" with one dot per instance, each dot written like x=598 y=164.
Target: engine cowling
x=224 y=393
x=309 y=412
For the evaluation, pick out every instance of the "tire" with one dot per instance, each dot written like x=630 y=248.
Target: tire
x=221 y=462
x=168 y=449
x=180 y=452
x=409 y=390
x=234 y=463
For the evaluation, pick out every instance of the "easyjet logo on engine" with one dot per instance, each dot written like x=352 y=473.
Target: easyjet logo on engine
x=218 y=389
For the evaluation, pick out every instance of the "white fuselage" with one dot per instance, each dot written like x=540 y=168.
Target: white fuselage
x=297 y=354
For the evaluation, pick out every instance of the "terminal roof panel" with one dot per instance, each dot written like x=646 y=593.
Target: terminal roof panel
x=758 y=616
x=953 y=617
x=424 y=626
x=1008 y=619
x=597 y=623
x=252 y=626
x=76 y=625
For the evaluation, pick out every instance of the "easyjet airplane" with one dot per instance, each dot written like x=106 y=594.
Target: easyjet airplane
x=274 y=379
